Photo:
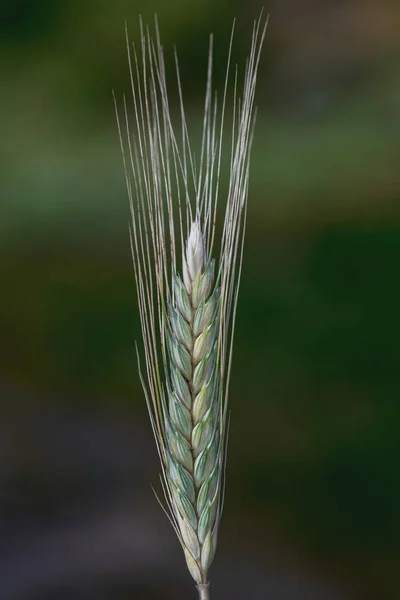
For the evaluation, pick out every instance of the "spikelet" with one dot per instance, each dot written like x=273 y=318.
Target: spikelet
x=187 y=307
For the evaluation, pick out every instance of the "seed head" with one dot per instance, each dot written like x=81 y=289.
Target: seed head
x=187 y=320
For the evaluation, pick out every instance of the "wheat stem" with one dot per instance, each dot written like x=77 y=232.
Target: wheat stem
x=204 y=591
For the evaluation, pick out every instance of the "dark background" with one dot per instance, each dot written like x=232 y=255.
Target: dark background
x=313 y=489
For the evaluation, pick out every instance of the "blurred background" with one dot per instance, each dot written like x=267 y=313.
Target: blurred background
x=313 y=489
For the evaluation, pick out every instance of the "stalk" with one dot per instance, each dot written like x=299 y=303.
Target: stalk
x=203 y=592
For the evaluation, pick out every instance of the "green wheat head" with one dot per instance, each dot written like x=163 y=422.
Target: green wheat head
x=187 y=300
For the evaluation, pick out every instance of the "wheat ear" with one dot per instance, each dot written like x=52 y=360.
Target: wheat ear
x=187 y=308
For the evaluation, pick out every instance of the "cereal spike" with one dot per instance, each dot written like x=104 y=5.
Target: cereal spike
x=187 y=307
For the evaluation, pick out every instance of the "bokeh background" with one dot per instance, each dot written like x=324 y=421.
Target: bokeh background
x=313 y=490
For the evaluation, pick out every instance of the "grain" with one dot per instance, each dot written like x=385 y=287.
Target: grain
x=187 y=305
